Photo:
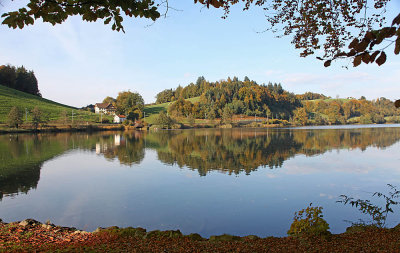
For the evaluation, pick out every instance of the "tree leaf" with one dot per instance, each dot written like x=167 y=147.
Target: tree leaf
x=381 y=59
x=354 y=43
x=366 y=57
x=396 y=20
x=327 y=63
x=357 y=60
x=360 y=47
x=397 y=46
x=373 y=56
x=397 y=103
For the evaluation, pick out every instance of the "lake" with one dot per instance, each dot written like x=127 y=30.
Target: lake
x=206 y=181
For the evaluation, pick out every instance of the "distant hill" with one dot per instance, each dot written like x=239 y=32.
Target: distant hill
x=53 y=110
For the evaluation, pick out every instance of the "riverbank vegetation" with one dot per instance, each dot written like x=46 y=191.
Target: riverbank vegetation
x=32 y=236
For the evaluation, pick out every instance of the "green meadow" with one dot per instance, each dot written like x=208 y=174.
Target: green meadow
x=53 y=111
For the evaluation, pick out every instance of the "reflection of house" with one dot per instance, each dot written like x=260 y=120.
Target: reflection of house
x=119 y=139
x=106 y=108
x=119 y=118
x=101 y=148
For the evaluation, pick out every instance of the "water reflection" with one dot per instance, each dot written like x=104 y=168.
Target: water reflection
x=232 y=151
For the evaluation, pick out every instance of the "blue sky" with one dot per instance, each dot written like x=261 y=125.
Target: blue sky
x=79 y=63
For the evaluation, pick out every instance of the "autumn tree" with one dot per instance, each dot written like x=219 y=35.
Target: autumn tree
x=191 y=120
x=56 y=12
x=300 y=116
x=227 y=115
x=164 y=120
x=128 y=101
x=14 y=118
x=109 y=100
x=313 y=24
x=329 y=25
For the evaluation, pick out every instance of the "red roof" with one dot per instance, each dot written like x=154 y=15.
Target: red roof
x=121 y=116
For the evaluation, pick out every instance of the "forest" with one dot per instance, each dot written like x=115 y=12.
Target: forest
x=19 y=78
x=271 y=104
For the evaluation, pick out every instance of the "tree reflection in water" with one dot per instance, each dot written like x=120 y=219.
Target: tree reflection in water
x=231 y=151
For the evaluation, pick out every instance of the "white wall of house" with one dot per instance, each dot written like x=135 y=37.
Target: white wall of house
x=117 y=119
x=98 y=110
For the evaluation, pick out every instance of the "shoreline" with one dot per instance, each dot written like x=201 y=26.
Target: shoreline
x=31 y=235
x=98 y=128
x=64 y=129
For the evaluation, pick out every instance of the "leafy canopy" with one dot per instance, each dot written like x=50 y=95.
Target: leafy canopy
x=57 y=11
x=329 y=25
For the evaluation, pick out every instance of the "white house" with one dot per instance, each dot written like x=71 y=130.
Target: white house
x=105 y=108
x=119 y=118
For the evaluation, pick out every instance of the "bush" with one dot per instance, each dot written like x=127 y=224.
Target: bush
x=191 y=120
x=14 y=118
x=377 y=213
x=164 y=120
x=312 y=224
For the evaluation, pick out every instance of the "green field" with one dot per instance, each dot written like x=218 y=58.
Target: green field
x=51 y=110
x=152 y=111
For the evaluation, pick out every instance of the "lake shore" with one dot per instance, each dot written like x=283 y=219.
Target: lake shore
x=63 y=128
x=31 y=236
x=120 y=127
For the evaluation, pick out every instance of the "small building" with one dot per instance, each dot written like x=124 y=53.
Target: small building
x=119 y=118
x=105 y=108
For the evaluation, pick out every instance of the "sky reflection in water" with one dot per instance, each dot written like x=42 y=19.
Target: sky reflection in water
x=236 y=181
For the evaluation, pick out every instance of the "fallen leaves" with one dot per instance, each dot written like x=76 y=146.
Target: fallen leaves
x=13 y=238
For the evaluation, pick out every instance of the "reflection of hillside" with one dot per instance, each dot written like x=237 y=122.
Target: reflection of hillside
x=22 y=156
x=21 y=159
x=21 y=181
x=243 y=150
x=320 y=141
x=232 y=151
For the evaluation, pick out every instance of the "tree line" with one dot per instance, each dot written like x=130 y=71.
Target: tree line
x=15 y=117
x=346 y=111
x=19 y=78
x=270 y=102
x=225 y=98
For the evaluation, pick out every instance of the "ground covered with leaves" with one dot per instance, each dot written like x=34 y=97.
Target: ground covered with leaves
x=32 y=236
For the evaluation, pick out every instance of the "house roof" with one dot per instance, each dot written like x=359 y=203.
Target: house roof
x=105 y=106
x=120 y=116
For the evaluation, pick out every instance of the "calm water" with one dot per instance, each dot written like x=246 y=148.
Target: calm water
x=236 y=181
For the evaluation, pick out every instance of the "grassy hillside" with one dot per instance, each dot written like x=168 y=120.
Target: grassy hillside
x=53 y=110
x=152 y=111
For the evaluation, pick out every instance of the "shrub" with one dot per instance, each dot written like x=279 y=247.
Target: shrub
x=377 y=213
x=37 y=117
x=14 y=118
x=191 y=120
x=164 y=120
x=309 y=222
